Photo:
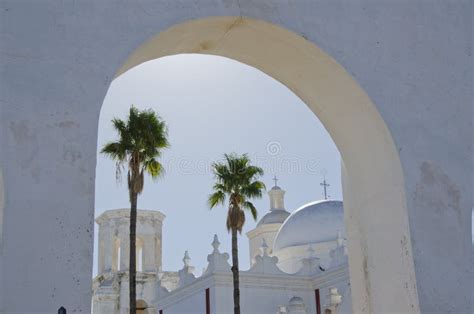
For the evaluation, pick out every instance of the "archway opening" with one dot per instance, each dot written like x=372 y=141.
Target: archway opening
x=375 y=209
x=273 y=117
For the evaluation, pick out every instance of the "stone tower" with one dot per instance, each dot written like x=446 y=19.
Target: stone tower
x=110 y=286
x=114 y=240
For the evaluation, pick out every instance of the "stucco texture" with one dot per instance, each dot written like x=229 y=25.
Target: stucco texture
x=57 y=59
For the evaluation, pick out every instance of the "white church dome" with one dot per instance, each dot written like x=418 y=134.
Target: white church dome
x=314 y=222
x=276 y=216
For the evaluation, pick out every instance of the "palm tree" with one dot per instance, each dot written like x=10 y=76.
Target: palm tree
x=141 y=140
x=236 y=180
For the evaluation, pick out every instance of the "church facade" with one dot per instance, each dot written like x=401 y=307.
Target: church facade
x=295 y=267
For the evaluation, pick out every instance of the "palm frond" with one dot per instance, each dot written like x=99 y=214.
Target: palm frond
x=115 y=150
x=253 y=210
x=118 y=171
x=153 y=168
x=237 y=179
x=254 y=189
x=121 y=127
x=216 y=198
x=141 y=139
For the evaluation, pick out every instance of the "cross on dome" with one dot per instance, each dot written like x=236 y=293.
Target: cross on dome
x=325 y=185
x=276 y=180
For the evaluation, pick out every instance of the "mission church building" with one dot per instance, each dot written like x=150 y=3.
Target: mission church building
x=298 y=265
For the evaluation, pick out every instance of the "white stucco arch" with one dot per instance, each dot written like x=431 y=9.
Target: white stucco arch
x=413 y=58
x=2 y=206
x=376 y=213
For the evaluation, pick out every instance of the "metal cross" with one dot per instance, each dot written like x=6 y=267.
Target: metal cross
x=275 y=179
x=325 y=185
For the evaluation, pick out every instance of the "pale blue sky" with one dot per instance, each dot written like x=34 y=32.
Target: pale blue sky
x=213 y=106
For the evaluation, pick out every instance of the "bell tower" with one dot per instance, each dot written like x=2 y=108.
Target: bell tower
x=113 y=248
x=267 y=227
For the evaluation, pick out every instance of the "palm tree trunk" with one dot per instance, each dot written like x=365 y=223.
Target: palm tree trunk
x=235 y=271
x=133 y=266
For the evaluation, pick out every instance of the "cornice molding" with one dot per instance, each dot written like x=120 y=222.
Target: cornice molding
x=263 y=229
x=124 y=213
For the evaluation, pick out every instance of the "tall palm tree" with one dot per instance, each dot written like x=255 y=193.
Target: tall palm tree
x=141 y=141
x=236 y=180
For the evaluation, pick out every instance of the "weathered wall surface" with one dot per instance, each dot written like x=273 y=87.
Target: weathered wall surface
x=57 y=58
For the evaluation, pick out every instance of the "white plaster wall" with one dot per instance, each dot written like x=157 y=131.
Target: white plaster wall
x=252 y=299
x=260 y=293
x=2 y=205
x=344 y=289
x=193 y=303
x=256 y=236
x=414 y=59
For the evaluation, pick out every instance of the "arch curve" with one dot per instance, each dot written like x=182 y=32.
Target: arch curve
x=2 y=206
x=376 y=215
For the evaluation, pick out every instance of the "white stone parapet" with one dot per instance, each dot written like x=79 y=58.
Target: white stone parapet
x=217 y=261
x=186 y=274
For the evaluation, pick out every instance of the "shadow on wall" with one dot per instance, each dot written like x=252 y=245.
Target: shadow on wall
x=2 y=206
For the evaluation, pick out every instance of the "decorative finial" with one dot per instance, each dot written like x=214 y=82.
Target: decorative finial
x=216 y=243
x=276 y=180
x=325 y=185
x=264 y=247
x=186 y=259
